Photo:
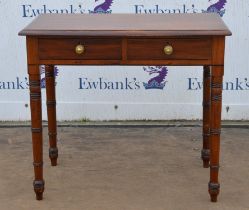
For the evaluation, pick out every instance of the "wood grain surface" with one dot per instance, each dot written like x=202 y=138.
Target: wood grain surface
x=95 y=49
x=184 y=49
x=127 y=25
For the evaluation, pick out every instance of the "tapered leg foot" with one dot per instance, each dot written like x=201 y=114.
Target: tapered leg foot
x=214 y=198
x=39 y=189
x=53 y=155
x=53 y=162
x=39 y=196
x=205 y=157
x=214 y=189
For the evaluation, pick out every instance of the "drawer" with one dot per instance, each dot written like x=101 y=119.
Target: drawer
x=183 y=49
x=94 y=49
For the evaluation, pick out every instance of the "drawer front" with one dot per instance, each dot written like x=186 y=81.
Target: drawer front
x=94 y=49
x=183 y=49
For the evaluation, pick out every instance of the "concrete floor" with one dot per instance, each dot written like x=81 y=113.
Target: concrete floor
x=124 y=169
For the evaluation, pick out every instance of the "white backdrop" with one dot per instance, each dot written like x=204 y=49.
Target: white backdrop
x=118 y=93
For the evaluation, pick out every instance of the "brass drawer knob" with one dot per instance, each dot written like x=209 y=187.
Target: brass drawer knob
x=79 y=49
x=168 y=50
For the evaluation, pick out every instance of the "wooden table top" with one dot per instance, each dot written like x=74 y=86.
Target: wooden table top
x=127 y=25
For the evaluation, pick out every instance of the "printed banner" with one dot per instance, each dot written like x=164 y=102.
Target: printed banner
x=123 y=93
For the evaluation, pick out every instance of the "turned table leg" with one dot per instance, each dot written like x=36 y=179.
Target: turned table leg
x=36 y=128
x=215 y=129
x=206 y=115
x=51 y=111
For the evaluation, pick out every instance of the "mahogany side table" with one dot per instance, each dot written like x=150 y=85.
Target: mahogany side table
x=126 y=39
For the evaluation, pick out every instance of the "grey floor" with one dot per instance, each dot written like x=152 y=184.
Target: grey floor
x=124 y=169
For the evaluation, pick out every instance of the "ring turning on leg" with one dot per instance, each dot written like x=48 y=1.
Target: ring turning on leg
x=36 y=128
x=215 y=130
x=51 y=110
x=214 y=189
x=39 y=189
x=205 y=153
